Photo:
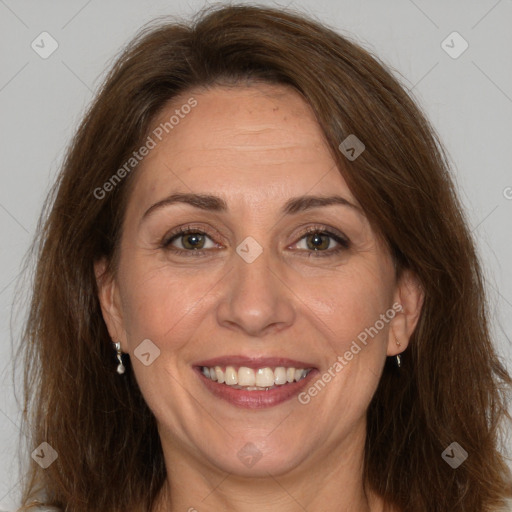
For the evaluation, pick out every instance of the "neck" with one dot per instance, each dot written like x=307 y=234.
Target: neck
x=333 y=476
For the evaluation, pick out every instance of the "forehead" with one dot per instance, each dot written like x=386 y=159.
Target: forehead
x=250 y=142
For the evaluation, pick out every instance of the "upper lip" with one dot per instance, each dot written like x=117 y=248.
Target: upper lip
x=254 y=362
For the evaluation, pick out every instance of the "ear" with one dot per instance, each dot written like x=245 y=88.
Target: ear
x=409 y=296
x=109 y=297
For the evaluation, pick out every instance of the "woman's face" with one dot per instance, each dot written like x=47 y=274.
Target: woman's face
x=267 y=281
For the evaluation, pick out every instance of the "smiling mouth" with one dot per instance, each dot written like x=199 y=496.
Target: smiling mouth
x=257 y=379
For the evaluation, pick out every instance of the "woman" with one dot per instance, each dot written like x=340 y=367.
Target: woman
x=256 y=290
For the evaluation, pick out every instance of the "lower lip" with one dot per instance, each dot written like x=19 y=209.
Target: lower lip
x=256 y=399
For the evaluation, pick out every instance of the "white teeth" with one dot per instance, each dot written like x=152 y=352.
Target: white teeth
x=280 y=375
x=246 y=376
x=251 y=380
x=230 y=376
x=264 y=377
x=220 y=375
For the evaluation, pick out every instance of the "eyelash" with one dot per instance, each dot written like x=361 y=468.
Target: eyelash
x=343 y=243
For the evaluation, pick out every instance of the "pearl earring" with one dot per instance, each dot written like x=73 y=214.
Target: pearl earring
x=120 y=367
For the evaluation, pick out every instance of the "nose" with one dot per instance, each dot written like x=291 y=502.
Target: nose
x=256 y=299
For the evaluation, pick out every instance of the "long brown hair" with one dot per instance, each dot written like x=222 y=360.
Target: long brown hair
x=451 y=387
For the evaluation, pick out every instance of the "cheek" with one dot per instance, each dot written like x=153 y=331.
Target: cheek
x=153 y=301
x=350 y=301
x=163 y=304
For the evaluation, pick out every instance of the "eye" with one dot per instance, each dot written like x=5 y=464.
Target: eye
x=319 y=241
x=187 y=239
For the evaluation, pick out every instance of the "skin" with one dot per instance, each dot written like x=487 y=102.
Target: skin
x=256 y=147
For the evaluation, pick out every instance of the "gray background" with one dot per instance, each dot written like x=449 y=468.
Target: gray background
x=468 y=99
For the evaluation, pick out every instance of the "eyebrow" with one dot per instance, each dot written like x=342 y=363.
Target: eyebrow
x=217 y=204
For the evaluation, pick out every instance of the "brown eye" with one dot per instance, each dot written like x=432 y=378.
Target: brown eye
x=317 y=241
x=193 y=241
x=189 y=240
